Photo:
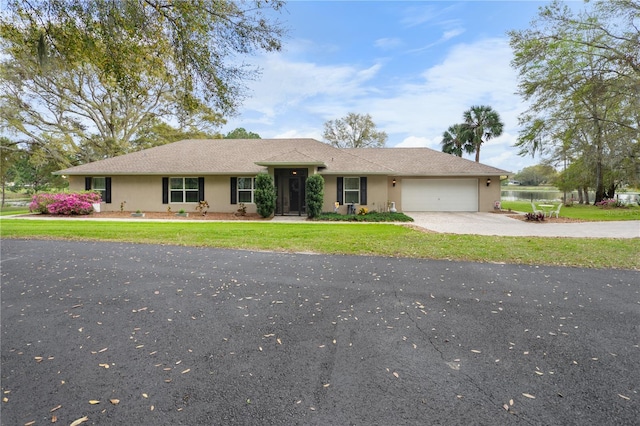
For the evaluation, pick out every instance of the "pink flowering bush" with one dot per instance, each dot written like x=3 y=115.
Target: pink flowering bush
x=64 y=204
x=609 y=203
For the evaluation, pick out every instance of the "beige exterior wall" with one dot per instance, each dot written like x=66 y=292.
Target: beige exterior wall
x=377 y=190
x=145 y=193
x=488 y=195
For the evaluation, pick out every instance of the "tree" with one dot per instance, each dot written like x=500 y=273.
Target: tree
x=484 y=124
x=157 y=132
x=314 y=190
x=33 y=170
x=580 y=74
x=265 y=195
x=536 y=175
x=91 y=73
x=457 y=139
x=354 y=131
x=8 y=156
x=241 y=133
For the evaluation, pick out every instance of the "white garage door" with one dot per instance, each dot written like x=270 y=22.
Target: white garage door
x=440 y=195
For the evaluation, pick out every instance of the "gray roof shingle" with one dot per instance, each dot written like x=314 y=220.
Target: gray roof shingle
x=250 y=156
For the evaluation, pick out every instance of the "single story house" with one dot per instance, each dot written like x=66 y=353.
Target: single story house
x=223 y=171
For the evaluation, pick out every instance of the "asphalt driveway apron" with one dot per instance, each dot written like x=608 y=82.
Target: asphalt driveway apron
x=148 y=334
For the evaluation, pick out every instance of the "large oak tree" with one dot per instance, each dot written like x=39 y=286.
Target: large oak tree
x=87 y=76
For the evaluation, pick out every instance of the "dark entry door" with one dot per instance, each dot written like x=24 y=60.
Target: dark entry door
x=295 y=200
x=290 y=191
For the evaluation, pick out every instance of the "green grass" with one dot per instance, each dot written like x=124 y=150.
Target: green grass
x=341 y=238
x=582 y=212
x=6 y=211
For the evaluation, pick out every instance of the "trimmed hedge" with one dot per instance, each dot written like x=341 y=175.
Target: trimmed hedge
x=369 y=217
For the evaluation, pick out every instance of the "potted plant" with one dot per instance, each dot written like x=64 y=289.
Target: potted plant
x=182 y=213
x=138 y=213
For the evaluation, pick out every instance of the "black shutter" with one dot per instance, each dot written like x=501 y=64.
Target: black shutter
x=201 y=189
x=340 y=185
x=234 y=190
x=165 y=190
x=87 y=183
x=363 y=191
x=107 y=190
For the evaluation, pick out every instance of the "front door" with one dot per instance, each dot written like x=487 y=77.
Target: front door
x=290 y=188
x=295 y=201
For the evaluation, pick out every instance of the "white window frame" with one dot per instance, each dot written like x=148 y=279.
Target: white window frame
x=250 y=191
x=351 y=191
x=95 y=188
x=183 y=190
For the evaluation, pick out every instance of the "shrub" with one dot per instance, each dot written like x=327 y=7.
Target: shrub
x=538 y=217
x=64 y=204
x=265 y=195
x=363 y=211
x=314 y=195
x=370 y=217
x=609 y=203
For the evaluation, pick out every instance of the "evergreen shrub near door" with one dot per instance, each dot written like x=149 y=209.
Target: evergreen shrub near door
x=314 y=195
x=265 y=195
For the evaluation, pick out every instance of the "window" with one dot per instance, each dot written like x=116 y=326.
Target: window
x=351 y=190
x=246 y=185
x=99 y=184
x=183 y=190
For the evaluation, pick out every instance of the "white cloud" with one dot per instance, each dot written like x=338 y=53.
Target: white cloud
x=294 y=98
x=388 y=43
x=418 y=142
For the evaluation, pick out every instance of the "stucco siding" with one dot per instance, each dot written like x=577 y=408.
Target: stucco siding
x=377 y=193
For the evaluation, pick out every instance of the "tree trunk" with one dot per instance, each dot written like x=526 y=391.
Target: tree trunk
x=599 y=169
x=611 y=191
x=586 y=195
x=580 y=197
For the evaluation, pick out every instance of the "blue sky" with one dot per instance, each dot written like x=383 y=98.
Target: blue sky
x=414 y=66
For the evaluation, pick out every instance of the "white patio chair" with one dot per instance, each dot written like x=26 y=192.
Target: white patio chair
x=556 y=211
x=535 y=210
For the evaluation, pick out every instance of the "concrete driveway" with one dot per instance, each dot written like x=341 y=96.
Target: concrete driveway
x=502 y=224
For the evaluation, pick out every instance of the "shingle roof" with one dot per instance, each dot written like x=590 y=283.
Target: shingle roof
x=425 y=162
x=250 y=156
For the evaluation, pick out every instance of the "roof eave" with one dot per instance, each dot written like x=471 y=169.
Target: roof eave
x=290 y=163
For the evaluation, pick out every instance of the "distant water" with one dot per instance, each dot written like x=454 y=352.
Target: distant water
x=532 y=195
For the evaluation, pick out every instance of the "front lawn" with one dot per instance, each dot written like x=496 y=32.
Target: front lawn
x=6 y=210
x=341 y=238
x=582 y=211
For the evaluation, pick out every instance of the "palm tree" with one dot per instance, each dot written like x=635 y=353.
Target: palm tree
x=484 y=123
x=457 y=139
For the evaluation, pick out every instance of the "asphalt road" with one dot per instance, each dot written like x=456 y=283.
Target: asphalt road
x=165 y=335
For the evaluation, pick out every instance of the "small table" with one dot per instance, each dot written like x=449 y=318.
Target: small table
x=546 y=208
